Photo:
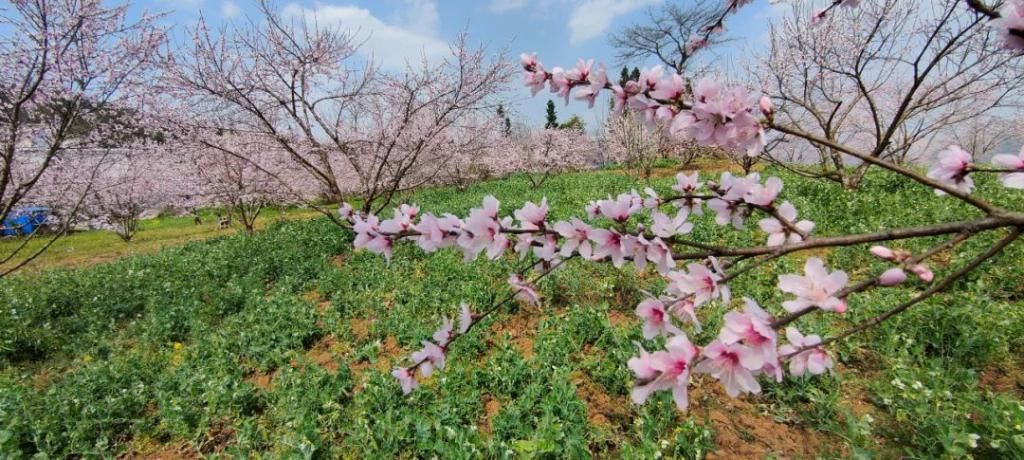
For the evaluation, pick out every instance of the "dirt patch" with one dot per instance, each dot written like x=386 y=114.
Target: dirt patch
x=338 y=260
x=491 y=408
x=521 y=329
x=603 y=410
x=744 y=431
x=618 y=319
x=314 y=297
x=1003 y=379
x=388 y=354
x=262 y=380
x=361 y=328
x=218 y=438
x=322 y=354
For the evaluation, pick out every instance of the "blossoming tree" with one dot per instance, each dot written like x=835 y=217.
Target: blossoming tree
x=653 y=231
x=67 y=67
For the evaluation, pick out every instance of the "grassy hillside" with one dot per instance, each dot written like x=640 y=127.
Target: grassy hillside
x=280 y=345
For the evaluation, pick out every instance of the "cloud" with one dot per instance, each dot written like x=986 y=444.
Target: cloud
x=230 y=9
x=592 y=18
x=408 y=38
x=502 y=6
x=419 y=16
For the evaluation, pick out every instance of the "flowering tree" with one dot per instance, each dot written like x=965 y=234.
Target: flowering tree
x=296 y=83
x=631 y=143
x=653 y=230
x=542 y=152
x=68 y=67
x=887 y=78
x=262 y=175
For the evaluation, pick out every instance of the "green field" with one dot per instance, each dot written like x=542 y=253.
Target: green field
x=280 y=345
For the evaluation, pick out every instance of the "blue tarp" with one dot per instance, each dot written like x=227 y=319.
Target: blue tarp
x=25 y=221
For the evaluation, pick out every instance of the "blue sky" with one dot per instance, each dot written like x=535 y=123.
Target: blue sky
x=560 y=31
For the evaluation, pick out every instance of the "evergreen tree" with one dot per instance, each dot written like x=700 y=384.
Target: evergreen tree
x=635 y=76
x=552 y=117
x=507 y=130
x=624 y=76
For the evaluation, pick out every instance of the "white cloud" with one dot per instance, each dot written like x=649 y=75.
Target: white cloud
x=502 y=6
x=419 y=16
x=591 y=18
x=390 y=44
x=230 y=9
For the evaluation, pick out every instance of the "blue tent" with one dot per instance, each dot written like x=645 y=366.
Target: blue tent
x=25 y=221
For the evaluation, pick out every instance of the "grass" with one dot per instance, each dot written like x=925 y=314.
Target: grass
x=85 y=248
x=280 y=345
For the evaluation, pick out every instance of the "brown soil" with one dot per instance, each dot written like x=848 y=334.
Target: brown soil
x=361 y=328
x=619 y=319
x=1003 y=379
x=744 y=431
x=603 y=410
x=314 y=297
x=389 y=353
x=491 y=408
x=338 y=260
x=322 y=355
x=218 y=438
x=521 y=328
x=263 y=380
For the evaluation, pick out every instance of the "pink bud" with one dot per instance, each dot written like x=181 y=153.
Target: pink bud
x=766 y=106
x=883 y=252
x=922 y=271
x=841 y=308
x=892 y=277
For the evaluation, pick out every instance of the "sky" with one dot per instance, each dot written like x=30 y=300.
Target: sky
x=559 y=31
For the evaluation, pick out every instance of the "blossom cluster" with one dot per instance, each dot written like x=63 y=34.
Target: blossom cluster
x=709 y=113
x=956 y=164
x=747 y=346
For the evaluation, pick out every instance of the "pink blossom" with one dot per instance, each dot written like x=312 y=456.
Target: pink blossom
x=685 y=311
x=700 y=282
x=636 y=248
x=368 y=236
x=728 y=212
x=608 y=243
x=524 y=292
x=1015 y=162
x=764 y=195
x=687 y=183
x=766 y=106
x=444 y=334
x=436 y=233
x=695 y=43
x=465 y=318
x=532 y=216
x=666 y=227
x=923 y=272
x=598 y=80
x=653 y=201
x=953 y=169
x=482 y=232
x=430 y=357
x=670 y=89
x=405 y=378
x=657 y=320
x=778 y=233
x=883 y=252
x=892 y=277
x=345 y=211
x=621 y=208
x=663 y=370
x=814 y=360
x=659 y=254
x=1010 y=25
x=560 y=84
x=732 y=364
x=817 y=288
x=576 y=235
x=752 y=327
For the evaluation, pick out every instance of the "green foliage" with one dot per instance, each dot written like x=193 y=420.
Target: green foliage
x=281 y=344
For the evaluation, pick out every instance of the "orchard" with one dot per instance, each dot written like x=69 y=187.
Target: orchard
x=807 y=251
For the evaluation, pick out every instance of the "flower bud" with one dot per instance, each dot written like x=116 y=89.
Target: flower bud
x=892 y=277
x=883 y=252
x=922 y=271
